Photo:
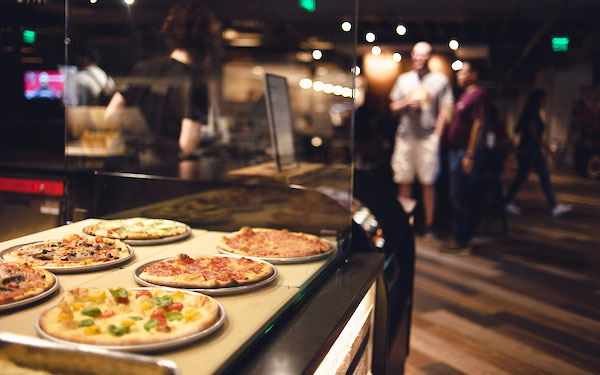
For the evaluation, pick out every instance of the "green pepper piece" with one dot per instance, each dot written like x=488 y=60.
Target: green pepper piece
x=91 y=311
x=150 y=324
x=163 y=301
x=173 y=315
x=85 y=323
x=118 y=331
x=118 y=293
x=136 y=317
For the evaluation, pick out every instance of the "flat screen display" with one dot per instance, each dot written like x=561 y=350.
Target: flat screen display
x=280 y=119
x=44 y=84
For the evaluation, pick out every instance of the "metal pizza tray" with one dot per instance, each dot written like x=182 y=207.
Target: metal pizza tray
x=162 y=240
x=291 y=260
x=148 y=348
x=73 y=269
x=212 y=291
x=32 y=299
x=33 y=353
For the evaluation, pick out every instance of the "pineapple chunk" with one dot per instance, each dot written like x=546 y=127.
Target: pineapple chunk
x=190 y=314
x=146 y=305
x=99 y=295
x=92 y=330
x=77 y=305
x=178 y=296
x=65 y=315
x=127 y=322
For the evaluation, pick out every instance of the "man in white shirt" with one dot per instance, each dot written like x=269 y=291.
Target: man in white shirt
x=421 y=98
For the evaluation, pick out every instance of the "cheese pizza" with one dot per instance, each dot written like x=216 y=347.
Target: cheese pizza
x=71 y=251
x=136 y=228
x=19 y=281
x=209 y=272
x=272 y=243
x=126 y=317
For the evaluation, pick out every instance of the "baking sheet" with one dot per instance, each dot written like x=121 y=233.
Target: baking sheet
x=32 y=299
x=77 y=359
x=153 y=347
x=212 y=291
x=290 y=260
x=73 y=269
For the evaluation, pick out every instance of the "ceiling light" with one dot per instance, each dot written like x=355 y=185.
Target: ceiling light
x=316 y=141
x=317 y=54
x=401 y=29
x=376 y=50
x=129 y=2
x=306 y=83
x=328 y=88
x=453 y=44
x=93 y=1
x=318 y=86
x=357 y=70
x=457 y=65
x=346 y=26
x=397 y=57
x=370 y=37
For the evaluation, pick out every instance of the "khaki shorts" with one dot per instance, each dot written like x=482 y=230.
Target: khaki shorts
x=416 y=157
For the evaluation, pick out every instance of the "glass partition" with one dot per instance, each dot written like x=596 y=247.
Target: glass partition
x=169 y=97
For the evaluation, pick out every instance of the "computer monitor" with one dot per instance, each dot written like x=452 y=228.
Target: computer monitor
x=279 y=115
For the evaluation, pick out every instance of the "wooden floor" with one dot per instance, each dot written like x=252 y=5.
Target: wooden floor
x=527 y=302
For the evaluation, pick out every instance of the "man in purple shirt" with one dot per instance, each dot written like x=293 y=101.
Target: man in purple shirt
x=463 y=141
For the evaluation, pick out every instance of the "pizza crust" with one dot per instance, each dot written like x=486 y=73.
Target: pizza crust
x=207 y=272
x=30 y=281
x=62 y=321
x=257 y=242
x=136 y=228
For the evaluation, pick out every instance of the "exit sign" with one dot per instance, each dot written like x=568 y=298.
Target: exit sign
x=29 y=36
x=560 y=44
x=309 y=5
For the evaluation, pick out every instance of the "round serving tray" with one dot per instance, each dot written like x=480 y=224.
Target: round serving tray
x=32 y=299
x=148 y=348
x=212 y=291
x=162 y=240
x=291 y=260
x=73 y=269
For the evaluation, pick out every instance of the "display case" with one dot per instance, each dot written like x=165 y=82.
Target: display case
x=166 y=115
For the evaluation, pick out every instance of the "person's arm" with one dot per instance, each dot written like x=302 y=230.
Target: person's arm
x=189 y=138
x=114 y=110
x=399 y=101
x=444 y=110
x=474 y=137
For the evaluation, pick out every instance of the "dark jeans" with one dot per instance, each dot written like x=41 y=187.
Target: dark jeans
x=466 y=194
x=528 y=158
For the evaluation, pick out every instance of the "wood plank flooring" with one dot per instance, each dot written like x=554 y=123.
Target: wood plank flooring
x=524 y=302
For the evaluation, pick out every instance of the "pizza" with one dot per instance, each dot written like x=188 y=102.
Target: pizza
x=19 y=281
x=136 y=228
x=73 y=250
x=125 y=317
x=272 y=243
x=209 y=272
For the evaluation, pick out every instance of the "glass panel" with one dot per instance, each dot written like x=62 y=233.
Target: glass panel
x=168 y=103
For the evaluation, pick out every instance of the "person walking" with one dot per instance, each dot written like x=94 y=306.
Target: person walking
x=529 y=155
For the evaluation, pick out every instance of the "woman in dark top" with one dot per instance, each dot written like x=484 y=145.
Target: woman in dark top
x=529 y=155
x=171 y=92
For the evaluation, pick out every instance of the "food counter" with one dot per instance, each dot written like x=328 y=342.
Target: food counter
x=260 y=326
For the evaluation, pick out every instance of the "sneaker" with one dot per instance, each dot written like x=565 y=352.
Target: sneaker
x=561 y=209
x=429 y=235
x=454 y=247
x=512 y=208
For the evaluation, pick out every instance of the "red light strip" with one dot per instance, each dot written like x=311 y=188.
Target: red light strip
x=30 y=186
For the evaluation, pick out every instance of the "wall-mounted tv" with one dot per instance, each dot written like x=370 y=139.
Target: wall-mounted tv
x=44 y=84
